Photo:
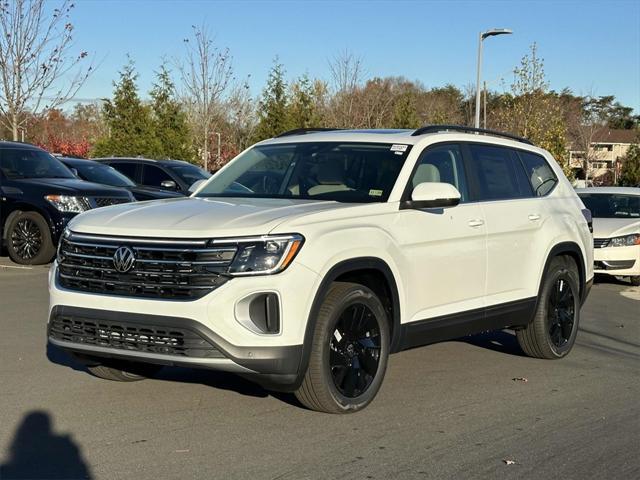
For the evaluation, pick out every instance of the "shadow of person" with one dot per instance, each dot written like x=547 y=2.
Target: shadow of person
x=37 y=452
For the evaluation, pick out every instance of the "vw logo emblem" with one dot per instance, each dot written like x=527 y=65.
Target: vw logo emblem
x=124 y=259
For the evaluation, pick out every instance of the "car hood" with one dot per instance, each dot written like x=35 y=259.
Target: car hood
x=70 y=186
x=191 y=217
x=615 y=227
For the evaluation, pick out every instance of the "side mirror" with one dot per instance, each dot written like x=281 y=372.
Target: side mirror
x=169 y=185
x=432 y=195
x=196 y=185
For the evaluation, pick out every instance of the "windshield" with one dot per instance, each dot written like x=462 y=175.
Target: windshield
x=189 y=173
x=342 y=172
x=18 y=163
x=605 y=205
x=102 y=174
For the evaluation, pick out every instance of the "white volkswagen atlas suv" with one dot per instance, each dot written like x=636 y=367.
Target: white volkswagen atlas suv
x=312 y=256
x=616 y=230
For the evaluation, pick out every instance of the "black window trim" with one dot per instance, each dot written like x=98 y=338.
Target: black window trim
x=472 y=182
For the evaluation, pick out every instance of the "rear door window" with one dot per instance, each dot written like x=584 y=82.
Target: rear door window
x=497 y=173
x=128 y=169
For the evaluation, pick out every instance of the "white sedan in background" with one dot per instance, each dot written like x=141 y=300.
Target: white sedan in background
x=616 y=230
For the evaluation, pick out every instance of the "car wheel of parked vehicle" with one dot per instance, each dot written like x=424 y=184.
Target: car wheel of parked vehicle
x=29 y=239
x=553 y=330
x=349 y=351
x=122 y=371
x=635 y=281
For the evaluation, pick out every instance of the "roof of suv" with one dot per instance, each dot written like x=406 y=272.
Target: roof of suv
x=9 y=144
x=404 y=136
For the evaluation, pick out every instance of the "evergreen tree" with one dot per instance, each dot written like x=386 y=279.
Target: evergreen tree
x=630 y=174
x=272 y=108
x=405 y=114
x=170 y=121
x=129 y=123
x=305 y=105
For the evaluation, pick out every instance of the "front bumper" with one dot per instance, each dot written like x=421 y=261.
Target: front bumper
x=618 y=261
x=118 y=325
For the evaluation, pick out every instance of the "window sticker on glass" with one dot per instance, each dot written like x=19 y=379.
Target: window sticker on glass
x=375 y=193
x=399 y=148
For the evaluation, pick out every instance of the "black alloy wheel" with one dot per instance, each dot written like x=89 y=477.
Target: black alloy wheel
x=354 y=353
x=26 y=239
x=561 y=313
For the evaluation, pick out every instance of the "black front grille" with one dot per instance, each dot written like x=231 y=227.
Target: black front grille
x=163 y=340
x=165 y=269
x=600 y=242
x=107 y=201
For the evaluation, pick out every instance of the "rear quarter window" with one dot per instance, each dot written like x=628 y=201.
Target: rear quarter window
x=539 y=173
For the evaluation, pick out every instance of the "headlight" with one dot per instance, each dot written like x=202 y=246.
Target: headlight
x=262 y=255
x=626 y=241
x=69 y=204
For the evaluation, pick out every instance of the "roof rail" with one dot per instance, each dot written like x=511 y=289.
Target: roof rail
x=302 y=131
x=460 y=128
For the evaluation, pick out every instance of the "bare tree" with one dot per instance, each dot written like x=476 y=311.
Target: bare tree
x=346 y=74
x=206 y=74
x=38 y=71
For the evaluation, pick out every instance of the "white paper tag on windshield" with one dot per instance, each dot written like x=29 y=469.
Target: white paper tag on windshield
x=396 y=147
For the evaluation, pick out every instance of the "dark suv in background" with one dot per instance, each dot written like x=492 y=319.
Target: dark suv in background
x=172 y=175
x=97 y=172
x=38 y=196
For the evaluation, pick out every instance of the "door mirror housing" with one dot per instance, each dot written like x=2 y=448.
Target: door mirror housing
x=169 y=185
x=432 y=195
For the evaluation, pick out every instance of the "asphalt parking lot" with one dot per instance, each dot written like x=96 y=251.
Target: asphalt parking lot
x=461 y=409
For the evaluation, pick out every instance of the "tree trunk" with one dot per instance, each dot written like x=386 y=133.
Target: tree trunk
x=14 y=126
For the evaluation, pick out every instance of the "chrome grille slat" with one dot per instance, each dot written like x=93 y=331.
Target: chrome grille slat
x=600 y=242
x=178 y=273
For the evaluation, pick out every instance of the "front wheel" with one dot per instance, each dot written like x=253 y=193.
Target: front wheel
x=29 y=239
x=349 y=352
x=553 y=330
x=635 y=280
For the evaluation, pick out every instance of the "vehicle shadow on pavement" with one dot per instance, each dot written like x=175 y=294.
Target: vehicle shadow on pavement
x=60 y=357
x=499 y=341
x=37 y=452
x=223 y=381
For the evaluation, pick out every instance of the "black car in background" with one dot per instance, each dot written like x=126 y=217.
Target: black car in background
x=171 y=175
x=97 y=172
x=38 y=197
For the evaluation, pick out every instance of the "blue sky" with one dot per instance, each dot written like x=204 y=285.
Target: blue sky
x=588 y=46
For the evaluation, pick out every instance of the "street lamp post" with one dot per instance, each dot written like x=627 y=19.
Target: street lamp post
x=483 y=35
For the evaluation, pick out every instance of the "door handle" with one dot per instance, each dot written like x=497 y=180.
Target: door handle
x=534 y=217
x=476 y=222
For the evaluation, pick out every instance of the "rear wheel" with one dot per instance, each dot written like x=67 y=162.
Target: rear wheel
x=349 y=353
x=553 y=330
x=29 y=239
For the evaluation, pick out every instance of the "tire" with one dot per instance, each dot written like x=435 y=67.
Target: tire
x=553 y=331
x=29 y=239
x=120 y=370
x=635 y=280
x=348 y=357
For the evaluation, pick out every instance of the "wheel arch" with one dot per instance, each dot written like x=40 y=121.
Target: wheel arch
x=352 y=270
x=572 y=250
